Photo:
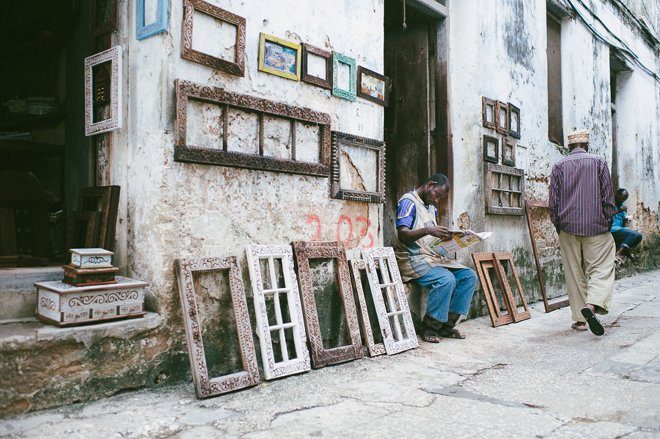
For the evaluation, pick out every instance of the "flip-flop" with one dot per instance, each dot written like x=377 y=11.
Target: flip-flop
x=592 y=321
x=579 y=327
x=430 y=336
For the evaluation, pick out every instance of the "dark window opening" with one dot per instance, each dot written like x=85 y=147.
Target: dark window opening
x=555 y=122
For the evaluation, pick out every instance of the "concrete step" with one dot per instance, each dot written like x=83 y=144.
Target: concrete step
x=18 y=297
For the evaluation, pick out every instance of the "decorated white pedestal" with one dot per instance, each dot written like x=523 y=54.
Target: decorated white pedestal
x=65 y=305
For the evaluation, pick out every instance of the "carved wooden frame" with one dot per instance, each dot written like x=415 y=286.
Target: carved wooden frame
x=374 y=349
x=495 y=206
x=112 y=55
x=498 y=257
x=514 y=110
x=236 y=67
x=273 y=369
x=502 y=126
x=91 y=225
x=386 y=82
x=144 y=30
x=392 y=337
x=349 y=194
x=349 y=94
x=311 y=79
x=549 y=307
x=491 y=139
x=206 y=386
x=327 y=250
x=109 y=197
x=485 y=104
x=483 y=262
x=199 y=154
x=508 y=144
x=263 y=38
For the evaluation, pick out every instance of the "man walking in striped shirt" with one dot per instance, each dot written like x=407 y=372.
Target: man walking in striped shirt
x=581 y=206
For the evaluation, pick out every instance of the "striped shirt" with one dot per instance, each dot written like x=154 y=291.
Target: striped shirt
x=581 y=201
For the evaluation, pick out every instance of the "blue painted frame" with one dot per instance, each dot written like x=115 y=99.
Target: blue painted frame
x=142 y=30
x=349 y=94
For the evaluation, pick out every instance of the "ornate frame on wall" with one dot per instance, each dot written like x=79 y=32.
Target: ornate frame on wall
x=349 y=94
x=502 y=125
x=204 y=385
x=273 y=369
x=494 y=205
x=144 y=30
x=374 y=349
x=393 y=338
x=236 y=67
x=485 y=105
x=493 y=140
x=349 y=194
x=200 y=154
x=283 y=43
x=386 y=82
x=310 y=79
x=113 y=56
x=513 y=132
x=327 y=250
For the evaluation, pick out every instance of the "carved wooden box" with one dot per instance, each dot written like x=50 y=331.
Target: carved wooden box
x=91 y=258
x=65 y=305
x=82 y=277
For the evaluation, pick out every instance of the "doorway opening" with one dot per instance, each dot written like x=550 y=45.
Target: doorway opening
x=416 y=123
x=45 y=154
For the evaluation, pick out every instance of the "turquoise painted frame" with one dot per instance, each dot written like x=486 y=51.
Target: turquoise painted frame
x=349 y=94
x=143 y=30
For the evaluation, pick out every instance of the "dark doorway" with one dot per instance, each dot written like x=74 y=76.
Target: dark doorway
x=416 y=126
x=44 y=153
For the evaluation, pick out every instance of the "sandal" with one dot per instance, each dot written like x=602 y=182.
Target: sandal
x=450 y=333
x=592 y=321
x=430 y=336
x=579 y=327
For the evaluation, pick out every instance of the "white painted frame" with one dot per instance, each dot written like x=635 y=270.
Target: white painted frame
x=112 y=55
x=393 y=337
x=374 y=349
x=273 y=369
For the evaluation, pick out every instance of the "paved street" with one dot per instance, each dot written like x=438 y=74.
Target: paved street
x=537 y=378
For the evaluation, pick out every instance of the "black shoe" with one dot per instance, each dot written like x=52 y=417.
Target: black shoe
x=592 y=321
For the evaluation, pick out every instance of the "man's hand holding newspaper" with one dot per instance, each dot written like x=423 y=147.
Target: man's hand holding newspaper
x=450 y=241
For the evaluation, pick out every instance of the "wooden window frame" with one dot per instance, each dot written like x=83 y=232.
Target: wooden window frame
x=502 y=127
x=273 y=369
x=114 y=57
x=518 y=316
x=493 y=208
x=374 y=349
x=109 y=200
x=338 y=139
x=144 y=30
x=308 y=49
x=90 y=222
x=236 y=67
x=304 y=251
x=363 y=71
x=392 y=337
x=206 y=386
x=491 y=139
x=508 y=144
x=186 y=90
x=514 y=110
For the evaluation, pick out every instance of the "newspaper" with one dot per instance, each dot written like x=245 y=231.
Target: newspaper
x=460 y=239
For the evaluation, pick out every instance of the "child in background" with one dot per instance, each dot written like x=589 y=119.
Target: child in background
x=624 y=237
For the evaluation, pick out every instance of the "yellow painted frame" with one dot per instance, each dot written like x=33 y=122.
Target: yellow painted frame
x=262 y=44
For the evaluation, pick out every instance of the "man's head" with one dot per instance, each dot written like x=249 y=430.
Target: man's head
x=578 y=139
x=434 y=189
x=621 y=196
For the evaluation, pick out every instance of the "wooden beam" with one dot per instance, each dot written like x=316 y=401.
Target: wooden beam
x=430 y=7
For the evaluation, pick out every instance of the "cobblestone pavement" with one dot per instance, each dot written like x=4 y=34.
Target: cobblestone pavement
x=537 y=378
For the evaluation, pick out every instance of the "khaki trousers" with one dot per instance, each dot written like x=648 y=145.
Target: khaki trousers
x=589 y=271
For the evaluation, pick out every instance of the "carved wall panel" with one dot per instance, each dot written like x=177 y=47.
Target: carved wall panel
x=390 y=300
x=204 y=385
x=263 y=108
x=279 y=289
x=304 y=251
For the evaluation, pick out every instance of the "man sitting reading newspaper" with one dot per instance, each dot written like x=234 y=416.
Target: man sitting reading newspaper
x=420 y=259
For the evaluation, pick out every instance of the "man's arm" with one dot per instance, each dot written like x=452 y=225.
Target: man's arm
x=554 y=194
x=407 y=236
x=606 y=193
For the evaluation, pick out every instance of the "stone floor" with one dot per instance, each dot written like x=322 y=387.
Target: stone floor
x=537 y=378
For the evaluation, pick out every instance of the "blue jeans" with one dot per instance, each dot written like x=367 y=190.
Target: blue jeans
x=625 y=237
x=451 y=291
